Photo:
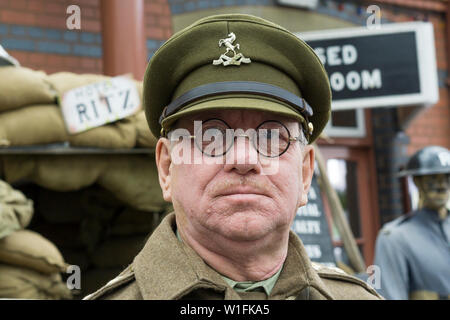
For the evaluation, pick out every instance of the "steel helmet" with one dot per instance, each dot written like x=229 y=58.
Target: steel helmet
x=427 y=161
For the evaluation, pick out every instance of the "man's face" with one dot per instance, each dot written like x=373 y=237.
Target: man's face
x=434 y=190
x=234 y=197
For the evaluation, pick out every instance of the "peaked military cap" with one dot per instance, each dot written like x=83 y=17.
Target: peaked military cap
x=236 y=61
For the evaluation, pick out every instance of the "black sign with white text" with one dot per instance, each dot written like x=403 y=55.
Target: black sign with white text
x=311 y=225
x=393 y=65
x=361 y=67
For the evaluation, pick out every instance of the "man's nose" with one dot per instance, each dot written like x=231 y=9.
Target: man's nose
x=242 y=156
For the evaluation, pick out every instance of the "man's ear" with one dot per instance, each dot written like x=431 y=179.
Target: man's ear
x=307 y=174
x=163 y=163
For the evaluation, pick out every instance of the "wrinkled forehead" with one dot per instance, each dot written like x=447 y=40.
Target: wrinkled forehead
x=238 y=118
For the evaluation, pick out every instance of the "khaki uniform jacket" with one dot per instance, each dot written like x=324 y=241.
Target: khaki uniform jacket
x=167 y=268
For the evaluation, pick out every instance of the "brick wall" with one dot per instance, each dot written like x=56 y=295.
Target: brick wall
x=35 y=33
x=390 y=145
x=393 y=147
x=182 y=6
x=432 y=125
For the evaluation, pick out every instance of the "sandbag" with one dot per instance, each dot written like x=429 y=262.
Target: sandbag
x=17 y=167
x=32 y=125
x=133 y=179
x=120 y=134
x=67 y=172
x=25 y=248
x=21 y=87
x=23 y=283
x=64 y=81
x=8 y=221
x=140 y=88
x=118 y=251
x=144 y=137
x=16 y=210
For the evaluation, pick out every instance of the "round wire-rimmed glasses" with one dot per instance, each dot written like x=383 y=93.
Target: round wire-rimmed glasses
x=215 y=137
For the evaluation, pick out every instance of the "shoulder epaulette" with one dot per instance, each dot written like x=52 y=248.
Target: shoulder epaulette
x=388 y=227
x=125 y=276
x=335 y=273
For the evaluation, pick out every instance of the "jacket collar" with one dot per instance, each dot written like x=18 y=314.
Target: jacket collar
x=169 y=269
x=299 y=271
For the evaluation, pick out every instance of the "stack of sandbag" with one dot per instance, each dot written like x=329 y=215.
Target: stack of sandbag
x=75 y=220
x=16 y=210
x=77 y=223
x=144 y=137
x=120 y=134
x=133 y=179
x=93 y=230
x=126 y=133
x=126 y=235
x=30 y=114
x=30 y=265
x=28 y=111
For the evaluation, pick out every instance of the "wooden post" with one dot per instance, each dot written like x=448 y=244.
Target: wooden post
x=339 y=218
x=123 y=37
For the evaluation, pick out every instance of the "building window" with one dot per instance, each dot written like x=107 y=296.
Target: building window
x=346 y=123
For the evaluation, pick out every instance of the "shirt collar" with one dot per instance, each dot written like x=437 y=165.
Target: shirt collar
x=248 y=286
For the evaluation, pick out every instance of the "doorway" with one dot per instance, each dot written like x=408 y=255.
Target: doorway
x=350 y=173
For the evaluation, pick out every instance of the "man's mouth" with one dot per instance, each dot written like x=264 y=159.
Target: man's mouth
x=241 y=192
x=236 y=191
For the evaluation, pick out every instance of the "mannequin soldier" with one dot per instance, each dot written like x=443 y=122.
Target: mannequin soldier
x=240 y=83
x=413 y=251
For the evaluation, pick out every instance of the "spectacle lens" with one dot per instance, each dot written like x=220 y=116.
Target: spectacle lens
x=272 y=139
x=215 y=137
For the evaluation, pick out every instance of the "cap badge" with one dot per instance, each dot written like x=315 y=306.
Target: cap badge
x=227 y=60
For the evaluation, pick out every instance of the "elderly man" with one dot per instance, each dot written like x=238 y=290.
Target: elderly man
x=236 y=99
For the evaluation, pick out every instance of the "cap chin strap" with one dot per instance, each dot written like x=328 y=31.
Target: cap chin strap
x=241 y=87
x=238 y=87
